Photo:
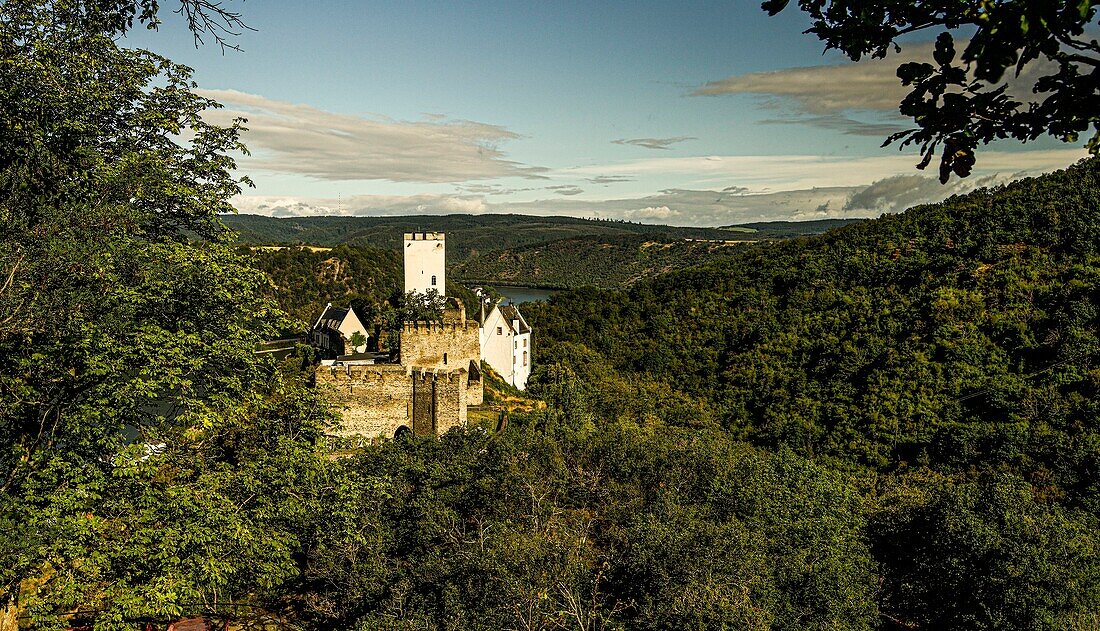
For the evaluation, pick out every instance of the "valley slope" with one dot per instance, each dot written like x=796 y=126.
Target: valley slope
x=961 y=335
x=552 y=252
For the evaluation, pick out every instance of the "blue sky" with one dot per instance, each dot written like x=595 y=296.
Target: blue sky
x=684 y=113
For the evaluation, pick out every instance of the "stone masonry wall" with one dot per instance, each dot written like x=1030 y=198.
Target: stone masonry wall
x=423 y=344
x=373 y=400
x=376 y=400
x=422 y=393
x=450 y=400
x=475 y=387
x=439 y=401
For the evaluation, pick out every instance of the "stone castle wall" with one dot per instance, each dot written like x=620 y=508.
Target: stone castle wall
x=377 y=400
x=439 y=401
x=439 y=376
x=374 y=400
x=424 y=344
x=475 y=386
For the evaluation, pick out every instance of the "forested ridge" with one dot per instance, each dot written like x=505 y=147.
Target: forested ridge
x=955 y=335
x=303 y=280
x=551 y=252
x=603 y=262
x=466 y=233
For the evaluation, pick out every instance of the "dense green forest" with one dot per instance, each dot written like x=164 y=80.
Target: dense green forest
x=303 y=280
x=466 y=234
x=891 y=426
x=553 y=252
x=960 y=336
x=605 y=262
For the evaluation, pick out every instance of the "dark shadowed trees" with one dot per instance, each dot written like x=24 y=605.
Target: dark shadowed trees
x=149 y=461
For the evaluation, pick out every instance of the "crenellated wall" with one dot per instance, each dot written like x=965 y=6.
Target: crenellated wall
x=424 y=344
x=374 y=400
x=377 y=400
x=439 y=401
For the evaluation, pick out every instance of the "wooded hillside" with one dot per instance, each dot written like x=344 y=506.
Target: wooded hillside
x=607 y=262
x=553 y=252
x=960 y=335
x=465 y=233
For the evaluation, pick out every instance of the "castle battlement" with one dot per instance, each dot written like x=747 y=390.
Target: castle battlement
x=428 y=328
x=376 y=372
x=364 y=372
x=432 y=374
x=425 y=236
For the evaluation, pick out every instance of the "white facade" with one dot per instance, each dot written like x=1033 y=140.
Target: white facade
x=350 y=326
x=506 y=344
x=425 y=262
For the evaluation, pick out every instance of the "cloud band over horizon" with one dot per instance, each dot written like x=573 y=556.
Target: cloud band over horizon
x=886 y=190
x=300 y=139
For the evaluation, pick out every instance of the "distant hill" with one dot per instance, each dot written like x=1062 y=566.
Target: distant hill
x=788 y=229
x=597 y=261
x=465 y=233
x=553 y=252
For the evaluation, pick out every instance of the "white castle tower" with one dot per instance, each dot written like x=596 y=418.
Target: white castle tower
x=425 y=262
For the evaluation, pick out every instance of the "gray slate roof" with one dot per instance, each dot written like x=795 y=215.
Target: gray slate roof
x=510 y=313
x=331 y=318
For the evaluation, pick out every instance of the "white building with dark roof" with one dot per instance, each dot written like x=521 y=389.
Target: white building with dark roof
x=333 y=331
x=506 y=342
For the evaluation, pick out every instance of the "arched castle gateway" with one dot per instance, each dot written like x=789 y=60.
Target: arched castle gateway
x=439 y=373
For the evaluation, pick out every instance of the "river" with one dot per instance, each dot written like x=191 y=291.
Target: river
x=520 y=295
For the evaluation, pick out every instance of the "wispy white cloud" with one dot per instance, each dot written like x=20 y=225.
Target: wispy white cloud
x=790 y=172
x=838 y=122
x=482 y=189
x=565 y=189
x=867 y=85
x=694 y=207
x=609 y=179
x=820 y=95
x=894 y=194
x=299 y=139
x=660 y=214
x=361 y=205
x=493 y=189
x=652 y=143
x=673 y=206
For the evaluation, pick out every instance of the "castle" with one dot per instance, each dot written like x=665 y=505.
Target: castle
x=439 y=373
